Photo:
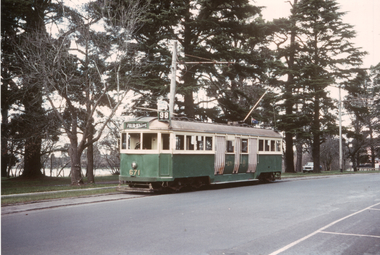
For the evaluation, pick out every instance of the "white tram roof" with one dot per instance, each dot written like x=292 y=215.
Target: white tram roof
x=204 y=127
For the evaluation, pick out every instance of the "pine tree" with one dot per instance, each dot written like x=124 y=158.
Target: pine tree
x=209 y=30
x=324 y=51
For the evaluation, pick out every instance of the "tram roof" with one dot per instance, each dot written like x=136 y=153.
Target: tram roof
x=205 y=127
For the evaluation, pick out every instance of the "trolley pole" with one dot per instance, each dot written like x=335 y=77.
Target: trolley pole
x=173 y=79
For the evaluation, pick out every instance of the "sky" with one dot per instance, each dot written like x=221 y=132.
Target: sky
x=364 y=15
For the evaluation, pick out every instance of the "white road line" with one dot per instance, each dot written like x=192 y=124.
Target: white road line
x=347 y=234
x=319 y=230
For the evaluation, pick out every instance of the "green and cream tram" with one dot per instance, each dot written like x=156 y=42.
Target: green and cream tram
x=157 y=155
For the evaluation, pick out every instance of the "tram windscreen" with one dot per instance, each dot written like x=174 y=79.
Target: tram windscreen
x=123 y=141
x=165 y=141
x=149 y=141
x=134 y=141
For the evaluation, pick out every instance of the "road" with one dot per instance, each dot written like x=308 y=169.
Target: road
x=334 y=215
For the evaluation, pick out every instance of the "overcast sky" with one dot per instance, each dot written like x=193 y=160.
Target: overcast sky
x=364 y=15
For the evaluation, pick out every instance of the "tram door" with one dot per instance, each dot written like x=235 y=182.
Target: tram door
x=220 y=151
x=165 y=157
x=252 y=157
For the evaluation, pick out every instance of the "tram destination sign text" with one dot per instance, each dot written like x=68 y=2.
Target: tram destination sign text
x=136 y=125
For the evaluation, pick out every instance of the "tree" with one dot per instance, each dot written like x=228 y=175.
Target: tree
x=65 y=83
x=289 y=122
x=30 y=123
x=362 y=102
x=207 y=31
x=324 y=52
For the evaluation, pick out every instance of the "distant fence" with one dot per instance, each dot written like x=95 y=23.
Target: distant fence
x=366 y=169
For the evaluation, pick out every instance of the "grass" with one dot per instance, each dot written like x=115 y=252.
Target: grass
x=20 y=186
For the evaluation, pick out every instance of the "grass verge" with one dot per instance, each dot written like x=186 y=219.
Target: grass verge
x=21 y=186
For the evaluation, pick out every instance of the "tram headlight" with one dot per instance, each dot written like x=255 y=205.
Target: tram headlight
x=134 y=165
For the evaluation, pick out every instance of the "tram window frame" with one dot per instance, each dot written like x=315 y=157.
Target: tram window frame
x=230 y=148
x=149 y=141
x=132 y=137
x=180 y=142
x=208 y=143
x=244 y=145
x=261 y=145
x=278 y=145
x=123 y=141
x=199 y=142
x=190 y=142
x=267 y=145
x=165 y=141
x=272 y=145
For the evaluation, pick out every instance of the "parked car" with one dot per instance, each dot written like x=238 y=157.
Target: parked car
x=309 y=167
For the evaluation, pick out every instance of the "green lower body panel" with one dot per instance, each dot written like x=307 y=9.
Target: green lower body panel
x=269 y=163
x=190 y=165
x=155 y=168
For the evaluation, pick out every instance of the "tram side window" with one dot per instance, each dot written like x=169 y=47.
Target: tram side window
x=165 y=141
x=123 y=141
x=261 y=145
x=208 y=143
x=230 y=146
x=272 y=145
x=134 y=141
x=244 y=145
x=278 y=145
x=199 y=143
x=190 y=141
x=267 y=145
x=179 y=142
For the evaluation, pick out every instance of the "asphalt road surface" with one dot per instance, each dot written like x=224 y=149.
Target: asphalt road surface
x=334 y=215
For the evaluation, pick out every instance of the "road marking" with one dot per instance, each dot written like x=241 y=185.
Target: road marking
x=319 y=230
x=347 y=234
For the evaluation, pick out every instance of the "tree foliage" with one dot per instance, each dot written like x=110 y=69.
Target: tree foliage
x=323 y=54
x=227 y=31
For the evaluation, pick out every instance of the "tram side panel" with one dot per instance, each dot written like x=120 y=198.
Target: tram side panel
x=139 y=167
x=193 y=165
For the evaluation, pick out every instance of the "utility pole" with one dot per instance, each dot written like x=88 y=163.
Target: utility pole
x=340 y=132
x=173 y=78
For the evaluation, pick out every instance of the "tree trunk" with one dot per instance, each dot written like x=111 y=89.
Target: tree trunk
x=76 y=173
x=289 y=154
x=90 y=162
x=299 y=157
x=289 y=103
x=4 y=139
x=316 y=136
x=32 y=162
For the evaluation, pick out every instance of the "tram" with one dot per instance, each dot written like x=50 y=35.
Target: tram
x=159 y=154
